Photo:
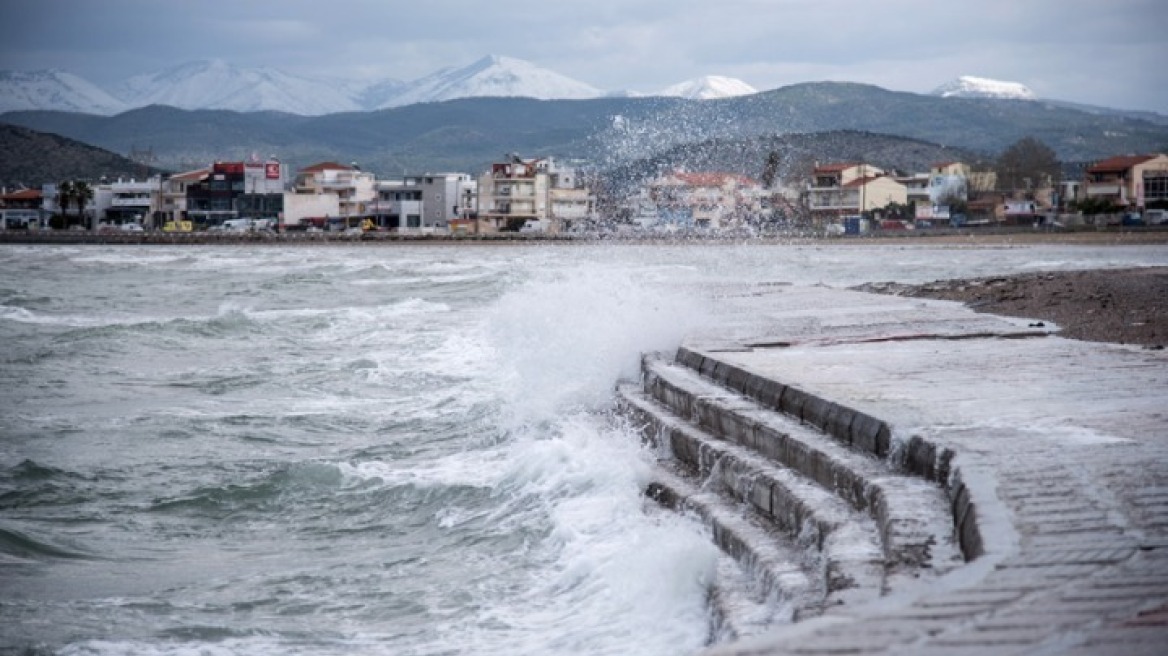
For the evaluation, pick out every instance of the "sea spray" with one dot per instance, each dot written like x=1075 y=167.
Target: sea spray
x=566 y=338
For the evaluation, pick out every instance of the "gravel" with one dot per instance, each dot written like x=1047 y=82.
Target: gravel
x=1125 y=306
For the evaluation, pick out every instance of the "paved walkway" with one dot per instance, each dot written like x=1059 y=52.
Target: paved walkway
x=1062 y=444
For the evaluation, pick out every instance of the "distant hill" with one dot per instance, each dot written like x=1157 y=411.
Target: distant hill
x=467 y=134
x=32 y=158
x=798 y=154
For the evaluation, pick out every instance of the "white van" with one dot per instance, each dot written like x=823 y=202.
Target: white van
x=532 y=225
x=234 y=225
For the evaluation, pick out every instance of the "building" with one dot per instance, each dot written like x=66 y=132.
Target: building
x=235 y=190
x=947 y=192
x=916 y=187
x=24 y=209
x=356 y=190
x=513 y=193
x=126 y=201
x=173 y=208
x=23 y=199
x=847 y=190
x=570 y=202
x=1128 y=182
x=706 y=200
x=425 y=203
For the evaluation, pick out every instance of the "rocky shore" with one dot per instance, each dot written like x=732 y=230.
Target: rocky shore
x=1125 y=306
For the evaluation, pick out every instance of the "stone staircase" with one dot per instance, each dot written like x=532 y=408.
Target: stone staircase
x=814 y=508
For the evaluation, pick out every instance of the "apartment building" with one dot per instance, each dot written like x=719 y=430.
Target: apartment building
x=355 y=190
x=705 y=200
x=425 y=202
x=850 y=189
x=1129 y=181
x=513 y=193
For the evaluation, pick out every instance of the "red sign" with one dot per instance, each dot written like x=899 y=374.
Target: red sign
x=272 y=170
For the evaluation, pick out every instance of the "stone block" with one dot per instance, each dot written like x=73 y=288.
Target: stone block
x=815 y=410
x=760 y=495
x=770 y=443
x=792 y=401
x=839 y=422
x=689 y=358
x=869 y=434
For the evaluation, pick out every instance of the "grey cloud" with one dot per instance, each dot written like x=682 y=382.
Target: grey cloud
x=909 y=45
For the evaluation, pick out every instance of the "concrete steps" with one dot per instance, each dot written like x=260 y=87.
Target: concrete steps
x=838 y=510
x=764 y=580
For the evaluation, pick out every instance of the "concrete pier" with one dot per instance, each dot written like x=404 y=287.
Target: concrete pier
x=1049 y=457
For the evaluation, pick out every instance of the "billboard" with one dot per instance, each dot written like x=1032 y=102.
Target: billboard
x=272 y=170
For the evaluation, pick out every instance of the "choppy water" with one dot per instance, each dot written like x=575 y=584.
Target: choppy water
x=365 y=450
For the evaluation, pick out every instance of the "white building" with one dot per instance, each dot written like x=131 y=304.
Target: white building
x=127 y=201
x=355 y=189
x=316 y=209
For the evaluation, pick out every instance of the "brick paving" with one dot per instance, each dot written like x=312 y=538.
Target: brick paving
x=1062 y=445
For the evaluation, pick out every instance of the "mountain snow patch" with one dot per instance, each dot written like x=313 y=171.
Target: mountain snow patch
x=491 y=76
x=55 y=90
x=709 y=87
x=968 y=86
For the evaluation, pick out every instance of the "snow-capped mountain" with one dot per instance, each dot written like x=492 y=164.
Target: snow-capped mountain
x=381 y=93
x=968 y=86
x=709 y=87
x=215 y=84
x=54 y=89
x=492 y=76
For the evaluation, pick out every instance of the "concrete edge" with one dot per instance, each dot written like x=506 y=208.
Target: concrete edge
x=915 y=455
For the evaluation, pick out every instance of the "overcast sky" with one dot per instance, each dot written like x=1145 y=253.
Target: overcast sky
x=1105 y=52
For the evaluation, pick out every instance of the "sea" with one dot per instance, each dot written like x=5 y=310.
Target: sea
x=371 y=449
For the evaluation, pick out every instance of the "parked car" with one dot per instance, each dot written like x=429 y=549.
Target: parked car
x=1156 y=217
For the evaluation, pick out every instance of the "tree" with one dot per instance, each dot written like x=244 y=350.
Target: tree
x=1094 y=206
x=770 y=172
x=65 y=195
x=82 y=194
x=1027 y=164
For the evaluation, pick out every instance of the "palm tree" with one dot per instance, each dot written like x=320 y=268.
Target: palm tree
x=82 y=193
x=66 y=192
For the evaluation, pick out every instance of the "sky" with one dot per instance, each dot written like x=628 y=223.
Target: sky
x=1112 y=53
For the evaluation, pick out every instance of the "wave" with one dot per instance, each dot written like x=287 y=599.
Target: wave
x=22 y=546
x=564 y=340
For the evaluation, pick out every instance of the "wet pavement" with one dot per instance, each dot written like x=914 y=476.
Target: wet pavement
x=1058 y=447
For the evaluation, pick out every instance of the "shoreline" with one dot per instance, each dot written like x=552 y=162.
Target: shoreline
x=997 y=236
x=1117 y=306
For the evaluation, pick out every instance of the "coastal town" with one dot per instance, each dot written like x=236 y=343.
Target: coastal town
x=542 y=196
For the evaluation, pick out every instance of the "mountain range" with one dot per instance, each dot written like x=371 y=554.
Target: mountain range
x=467 y=134
x=216 y=84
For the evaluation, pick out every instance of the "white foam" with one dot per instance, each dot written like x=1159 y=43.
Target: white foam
x=564 y=340
x=613 y=574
